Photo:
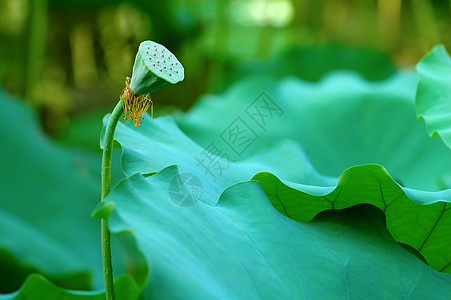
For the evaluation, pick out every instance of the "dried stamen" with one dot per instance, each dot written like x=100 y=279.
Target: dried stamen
x=135 y=105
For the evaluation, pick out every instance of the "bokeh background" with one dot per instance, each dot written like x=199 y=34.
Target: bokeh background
x=64 y=63
x=69 y=58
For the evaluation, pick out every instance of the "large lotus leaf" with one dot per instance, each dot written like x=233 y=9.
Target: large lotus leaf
x=156 y=145
x=243 y=248
x=159 y=143
x=340 y=121
x=415 y=218
x=46 y=198
x=36 y=287
x=433 y=100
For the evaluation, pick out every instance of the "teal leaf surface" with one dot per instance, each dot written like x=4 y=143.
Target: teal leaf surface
x=433 y=99
x=243 y=248
x=44 y=196
x=341 y=121
x=415 y=218
x=36 y=287
x=159 y=143
x=148 y=205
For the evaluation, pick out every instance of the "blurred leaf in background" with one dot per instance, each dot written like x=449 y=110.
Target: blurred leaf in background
x=68 y=58
x=47 y=194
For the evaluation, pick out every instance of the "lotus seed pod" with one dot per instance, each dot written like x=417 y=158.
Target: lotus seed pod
x=155 y=68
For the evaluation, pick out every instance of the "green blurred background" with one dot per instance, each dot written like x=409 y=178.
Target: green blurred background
x=69 y=58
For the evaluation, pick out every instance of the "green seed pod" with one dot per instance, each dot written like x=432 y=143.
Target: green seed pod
x=155 y=68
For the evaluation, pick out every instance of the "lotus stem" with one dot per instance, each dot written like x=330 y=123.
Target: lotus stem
x=106 y=187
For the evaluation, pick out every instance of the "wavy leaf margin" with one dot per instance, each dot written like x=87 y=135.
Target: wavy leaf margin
x=433 y=96
x=419 y=219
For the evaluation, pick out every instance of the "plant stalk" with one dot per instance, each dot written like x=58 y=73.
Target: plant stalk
x=106 y=187
x=38 y=21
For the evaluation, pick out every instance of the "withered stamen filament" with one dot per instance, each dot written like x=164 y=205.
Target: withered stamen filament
x=135 y=105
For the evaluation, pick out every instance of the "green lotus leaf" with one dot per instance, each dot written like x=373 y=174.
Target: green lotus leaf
x=174 y=205
x=40 y=207
x=433 y=99
x=415 y=218
x=243 y=248
x=37 y=287
x=157 y=144
x=341 y=121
